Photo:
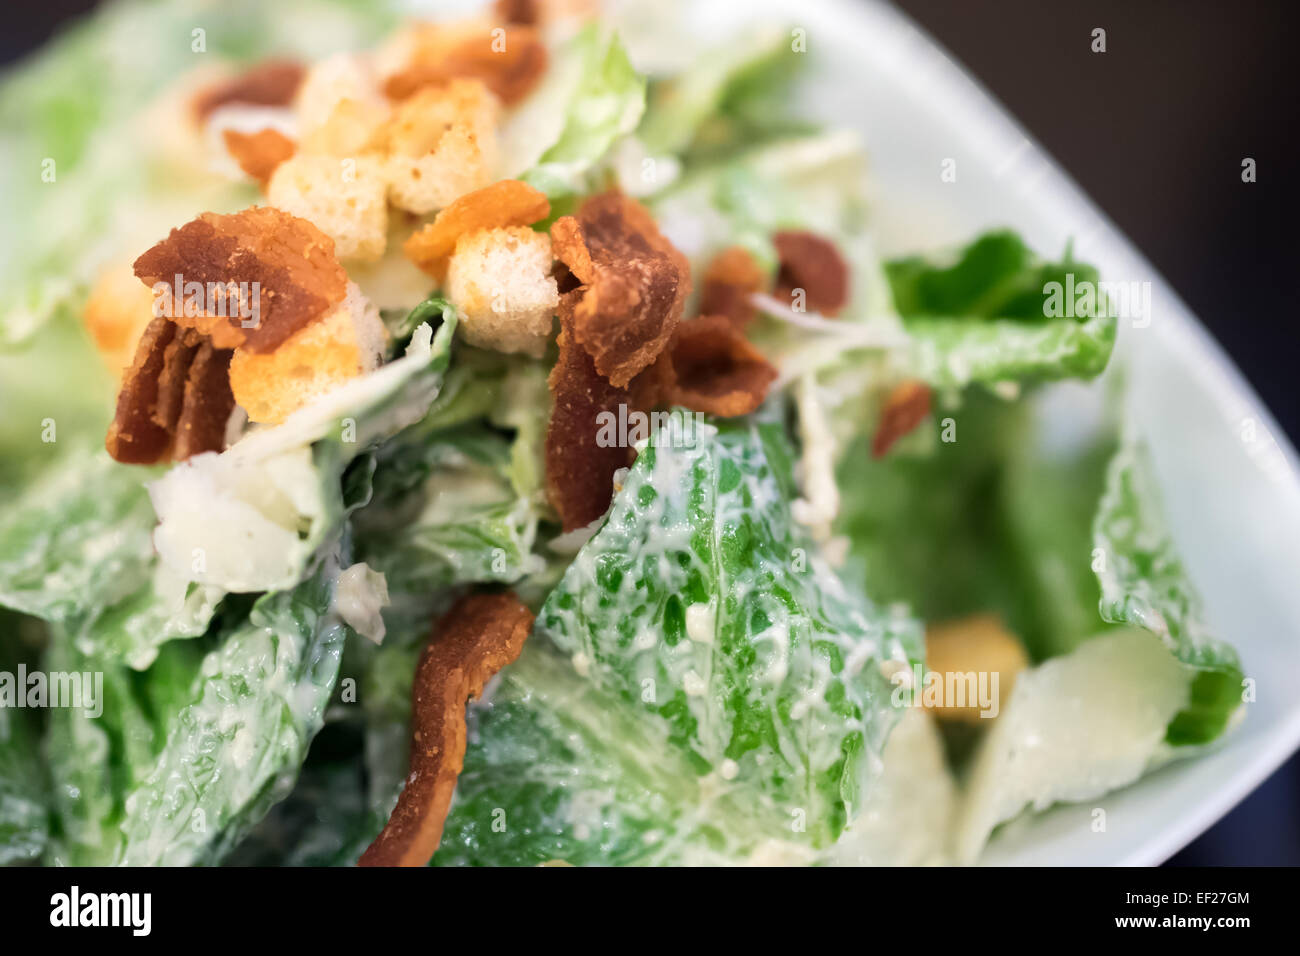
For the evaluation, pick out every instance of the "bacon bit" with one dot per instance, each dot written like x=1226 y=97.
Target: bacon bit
x=505 y=203
x=175 y=398
x=525 y=13
x=713 y=368
x=208 y=403
x=480 y=635
x=732 y=277
x=292 y=261
x=510 y=65
x=272 y=83
x=579 y=469
x=905 y=408
x=258 y=153
x=634 y=283
x=813 y=264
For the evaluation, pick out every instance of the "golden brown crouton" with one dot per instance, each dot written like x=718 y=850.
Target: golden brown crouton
x=344 y=76
x=441 y=144
x=348 y=342
x=343 y=197
x=116 y=313
x=967 y=648
x=500 y=282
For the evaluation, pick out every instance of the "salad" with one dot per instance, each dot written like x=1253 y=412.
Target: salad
x=495 y=440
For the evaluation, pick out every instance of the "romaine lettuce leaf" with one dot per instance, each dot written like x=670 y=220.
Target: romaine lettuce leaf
x=24 y=800
x=94 y=759
x=590 y=97
x=741 y=87
x=982 y=318
x=561 y=770
x=78 y=539
x=699 y=603
x=445 y=513
x=235 y=748
x=1075 y=728
x=1144 y=584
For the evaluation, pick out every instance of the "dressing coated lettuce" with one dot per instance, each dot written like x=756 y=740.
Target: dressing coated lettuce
x=700 y=603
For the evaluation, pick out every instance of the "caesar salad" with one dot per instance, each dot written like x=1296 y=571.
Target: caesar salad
x=492 y=440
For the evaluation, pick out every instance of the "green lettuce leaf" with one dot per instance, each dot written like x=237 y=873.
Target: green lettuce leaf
x=561 y=770
x=24 y=800
x=590 y=97
x=1144 y=584
x=983 y=318
x=447 y=513
x=235 y=748
x=699 y=603
x=732 y=93
x=95 y=759
x=78 y=539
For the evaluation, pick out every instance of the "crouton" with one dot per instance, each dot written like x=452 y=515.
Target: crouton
x=507 y=203
x=500 y=282
x=117 y=312
x=259 y=153
x=346 y=343
x=343 y=197
x=344 y=76
x=964 y=654
x=441 y=144
x=351 y=129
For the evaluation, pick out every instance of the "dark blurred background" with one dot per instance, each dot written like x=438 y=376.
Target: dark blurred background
x=1155 y=131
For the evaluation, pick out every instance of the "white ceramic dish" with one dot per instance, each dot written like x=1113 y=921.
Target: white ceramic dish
x=1231 y=481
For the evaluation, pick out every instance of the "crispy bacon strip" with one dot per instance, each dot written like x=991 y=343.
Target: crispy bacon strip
x=813 y=264
x=579 y=469
x=905 y=408
x=259 y=153
x=175 y=398
x=731 y=278
x=634 y=283
x=510 y=65
x=505 y=203
x=713 y=368
x=480 y=635
x=272 y=83
x=523 y=12
x=293 y=263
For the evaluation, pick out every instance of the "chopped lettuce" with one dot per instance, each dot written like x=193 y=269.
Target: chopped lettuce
x=1076 y=727
x=457 y=520
x=24 y=802
x=732 y=94
x=235 y=748
x=983 y=318
x=77 y=540
x=590 y=97
x=94 y=758
x=1144 y=584
x=698 y=602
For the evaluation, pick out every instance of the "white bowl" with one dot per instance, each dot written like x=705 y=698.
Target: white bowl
x=1229 y=475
